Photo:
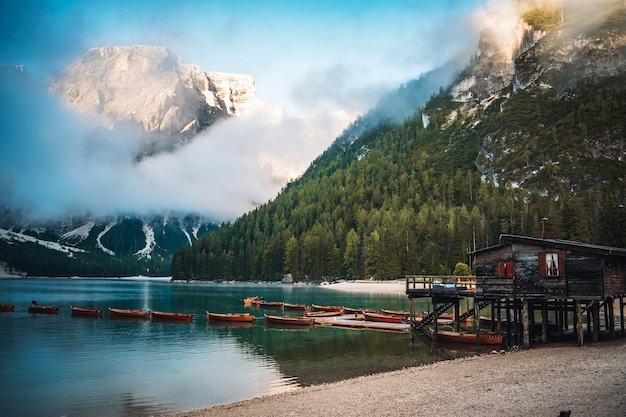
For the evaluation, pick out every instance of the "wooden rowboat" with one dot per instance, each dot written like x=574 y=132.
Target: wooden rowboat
x=384 y=318
x=7 y=307
x=136 y=314
x=301 y=307
x=270 y=304
x=231 y=317
x=327 y=308
x=85 y=311
x=324 y=313
x=36 y=308
x=488 y=338
x=162 y=315
x=289 y=320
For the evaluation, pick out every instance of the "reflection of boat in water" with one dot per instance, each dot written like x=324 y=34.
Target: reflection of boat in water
x=131 y=314
x=163 y=315
x=86 y=312
x=488 y=338
x=289 y=320
x=7 y=307
x=36 y=308
x=384 y=318
x=231 y=317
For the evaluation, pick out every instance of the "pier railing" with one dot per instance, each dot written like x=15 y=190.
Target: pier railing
x=440 y=282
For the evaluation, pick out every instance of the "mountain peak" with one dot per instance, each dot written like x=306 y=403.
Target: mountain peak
x=154 y=89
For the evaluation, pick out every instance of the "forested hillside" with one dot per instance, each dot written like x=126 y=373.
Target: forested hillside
x=415 y=197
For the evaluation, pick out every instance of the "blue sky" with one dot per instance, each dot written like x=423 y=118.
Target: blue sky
x=322 y=61
x=359 y=46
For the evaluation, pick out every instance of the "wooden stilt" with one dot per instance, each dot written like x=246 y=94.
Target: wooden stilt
x=579 y=323
x=412 y=319
x=457 y=313
x=435 y=322
x=544 y=322
x=621 y=312
x=596 y=322
x=526 y=322
x=477 y=321
x=611 y=318
x=509 y=335
x=498 y=317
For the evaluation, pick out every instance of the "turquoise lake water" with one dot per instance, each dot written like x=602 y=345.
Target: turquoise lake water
x=59 y=365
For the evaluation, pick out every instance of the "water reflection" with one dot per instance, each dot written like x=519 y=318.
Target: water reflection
x=59 y=365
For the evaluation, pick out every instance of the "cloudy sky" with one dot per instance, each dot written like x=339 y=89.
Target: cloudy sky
x=322 y=61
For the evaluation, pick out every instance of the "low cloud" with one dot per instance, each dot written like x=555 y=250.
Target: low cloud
x=54 y=163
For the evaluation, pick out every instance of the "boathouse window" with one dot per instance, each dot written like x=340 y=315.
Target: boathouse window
x=552 y=264
x=506 y=269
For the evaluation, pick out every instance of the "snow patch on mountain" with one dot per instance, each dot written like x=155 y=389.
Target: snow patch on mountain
x=99 y=244
x=15 y=237
x=150 y=242
x=79 y=234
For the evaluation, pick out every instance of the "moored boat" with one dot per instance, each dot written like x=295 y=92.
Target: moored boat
x=163 y=315
x=270 y=304
x=86 y=311
x=126 y=313
x=248 y=301
x=487 y=338
x=289 y=320
x=36 y=308
x=7 y=307
x=327 y=308
x=231 y=317
x=324 y=313
x=301 y=307
x=384 y=318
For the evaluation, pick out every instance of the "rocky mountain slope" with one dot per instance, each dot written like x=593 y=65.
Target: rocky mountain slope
x=150 y=88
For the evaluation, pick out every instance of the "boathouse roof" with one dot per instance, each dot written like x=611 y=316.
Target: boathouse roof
x=506 y=239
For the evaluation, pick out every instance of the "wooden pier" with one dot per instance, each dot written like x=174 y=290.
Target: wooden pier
x=533 y=290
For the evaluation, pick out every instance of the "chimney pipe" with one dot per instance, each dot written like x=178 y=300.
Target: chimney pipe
x=544 y=228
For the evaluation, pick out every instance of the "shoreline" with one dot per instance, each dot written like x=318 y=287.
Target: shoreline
x=362 y=286
x=541 y=381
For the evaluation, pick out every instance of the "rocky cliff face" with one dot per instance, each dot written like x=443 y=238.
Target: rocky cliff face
x=554 y=55
x=153 y=89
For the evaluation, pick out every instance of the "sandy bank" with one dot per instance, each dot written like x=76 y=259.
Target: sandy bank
x=589 y=381
x=384 y=287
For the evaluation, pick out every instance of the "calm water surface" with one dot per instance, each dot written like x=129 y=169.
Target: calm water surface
x=59 y=365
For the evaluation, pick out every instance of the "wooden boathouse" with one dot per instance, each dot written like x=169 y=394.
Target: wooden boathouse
x=534 y=286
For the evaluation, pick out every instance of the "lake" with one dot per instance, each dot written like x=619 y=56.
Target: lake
x=59 y=365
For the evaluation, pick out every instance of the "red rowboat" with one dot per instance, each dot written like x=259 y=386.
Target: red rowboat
x=121 y=313
x=384 y=318
x=232 y=317
x=7 y=307
x=301 y=307
x=488 y=338
x=84 y=311
x=36 y=308
x=162 y=315
x=327 y=308
x=289 y=320
x=324 y=313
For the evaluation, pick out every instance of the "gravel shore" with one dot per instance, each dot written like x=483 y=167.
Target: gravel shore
x=588 y=381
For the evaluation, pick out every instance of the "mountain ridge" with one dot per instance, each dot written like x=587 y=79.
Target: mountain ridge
x=153 y=89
